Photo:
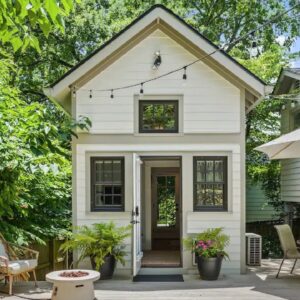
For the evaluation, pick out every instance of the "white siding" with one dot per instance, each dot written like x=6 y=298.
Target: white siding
x=290 y=180
x=192 y=222
x=230 y=221
x=83 y=213
x=211 y=103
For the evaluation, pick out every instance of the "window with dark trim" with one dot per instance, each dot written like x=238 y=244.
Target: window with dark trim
x=210 y=183
x=158 y=116
x=107 y=183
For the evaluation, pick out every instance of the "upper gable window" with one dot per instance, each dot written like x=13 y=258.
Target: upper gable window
x=158 y=116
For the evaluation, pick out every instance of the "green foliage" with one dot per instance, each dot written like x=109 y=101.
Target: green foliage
x=263 y=125
x=35 y=167
x=209 y=243
x=267 y=66
x=98 y=241
x=20 y=19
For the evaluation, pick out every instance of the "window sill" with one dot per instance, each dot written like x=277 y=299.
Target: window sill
x=228 y=211
x=159 y=134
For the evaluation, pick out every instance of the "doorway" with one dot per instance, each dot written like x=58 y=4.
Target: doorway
x=162 y=212
x=165 y=209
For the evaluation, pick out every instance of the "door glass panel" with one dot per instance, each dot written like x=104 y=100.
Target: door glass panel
x=166 y=201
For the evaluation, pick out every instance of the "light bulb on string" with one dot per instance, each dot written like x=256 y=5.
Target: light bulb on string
x=293 y=104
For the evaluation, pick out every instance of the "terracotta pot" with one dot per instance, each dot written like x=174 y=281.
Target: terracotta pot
x=209 y=268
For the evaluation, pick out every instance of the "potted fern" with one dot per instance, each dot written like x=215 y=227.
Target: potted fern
x=209 y=248
x=103 y=243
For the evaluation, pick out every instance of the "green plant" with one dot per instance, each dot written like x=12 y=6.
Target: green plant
x=98 y=241
x=209 y=243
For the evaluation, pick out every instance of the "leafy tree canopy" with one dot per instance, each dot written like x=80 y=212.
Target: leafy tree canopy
x=20 y=19
x=41 y=39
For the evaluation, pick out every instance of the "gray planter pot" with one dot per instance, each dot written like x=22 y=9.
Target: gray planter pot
x=107 y=269
x=209 y=268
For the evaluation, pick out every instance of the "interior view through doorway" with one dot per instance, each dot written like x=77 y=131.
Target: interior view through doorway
x=161 y=212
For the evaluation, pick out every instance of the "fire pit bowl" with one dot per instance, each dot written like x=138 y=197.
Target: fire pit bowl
x=73 y=284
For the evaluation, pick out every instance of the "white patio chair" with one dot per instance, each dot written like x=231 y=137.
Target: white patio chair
x=288 y=245
x=16 y=262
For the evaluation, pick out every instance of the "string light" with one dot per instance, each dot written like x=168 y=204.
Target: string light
x=293 y=104
x=283 y=107
x=184 y=76
x=184 y=68
x=142 y=89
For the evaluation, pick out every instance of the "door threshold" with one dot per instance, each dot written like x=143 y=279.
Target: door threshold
x=160 y=270
x=154 y=266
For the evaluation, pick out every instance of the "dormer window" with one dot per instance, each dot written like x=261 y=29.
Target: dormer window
x=158 y=116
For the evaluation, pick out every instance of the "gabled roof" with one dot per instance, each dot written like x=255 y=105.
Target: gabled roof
x=285 y=79
x=59 y=90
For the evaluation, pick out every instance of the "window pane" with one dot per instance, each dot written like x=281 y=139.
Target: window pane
x=170 y=116
x=117 y=190
x=117 y=171
x=107 y=171
x=210 y=195
x=107 y=183
x=219 y=194
x=108 y=190
x=210 y=183
x=170 y=180
x=219 y=171
x=166 y=214
x=158 y=116
x=209 y=171
x=108 y=200
x=200 y=171
x=200 y=195
x=99 y=200
x=147 y=116
x=99 y=169
x=161 y=180
x=117 y=200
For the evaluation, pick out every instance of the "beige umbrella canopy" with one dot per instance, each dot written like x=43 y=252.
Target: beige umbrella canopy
x=286 y=146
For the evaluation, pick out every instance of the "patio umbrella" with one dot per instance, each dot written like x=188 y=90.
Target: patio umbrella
x=286 y=146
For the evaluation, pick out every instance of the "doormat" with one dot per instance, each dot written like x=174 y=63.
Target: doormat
x=158 y=278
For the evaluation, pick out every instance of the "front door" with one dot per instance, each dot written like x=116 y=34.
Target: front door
x=137 y=253
x=165 y=209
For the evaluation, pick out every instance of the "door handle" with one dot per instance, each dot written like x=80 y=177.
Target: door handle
x=133 y=222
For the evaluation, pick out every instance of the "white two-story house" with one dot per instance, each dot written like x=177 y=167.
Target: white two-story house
x=167 y=155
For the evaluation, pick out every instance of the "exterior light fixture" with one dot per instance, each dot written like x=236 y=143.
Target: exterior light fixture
x=142 y=90
x=91 y=94
x=157 y=60
x=112 y=94
x=184 y=76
